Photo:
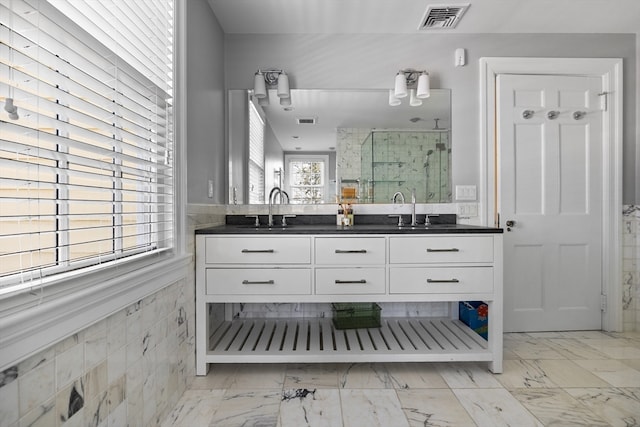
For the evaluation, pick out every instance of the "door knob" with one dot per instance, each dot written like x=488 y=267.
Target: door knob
x=510 y=223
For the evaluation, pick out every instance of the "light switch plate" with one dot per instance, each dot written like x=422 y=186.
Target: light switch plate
x=467 y=210
x=466 y=192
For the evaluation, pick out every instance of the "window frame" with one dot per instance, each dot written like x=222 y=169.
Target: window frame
x=63 y=304
x=69 y=172
x=322 y=158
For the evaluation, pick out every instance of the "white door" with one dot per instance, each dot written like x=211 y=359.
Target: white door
x=549 y=136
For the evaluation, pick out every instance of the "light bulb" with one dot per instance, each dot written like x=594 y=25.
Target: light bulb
x=283 y=86
x=393 y=101
x=285 y=102
x=264 y=102
x=259 y=86
x=400 y=90
x=424 y=86
x=413 y=100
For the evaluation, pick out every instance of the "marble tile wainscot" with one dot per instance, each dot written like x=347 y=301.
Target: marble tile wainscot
x=128 y=369
x=631 y=267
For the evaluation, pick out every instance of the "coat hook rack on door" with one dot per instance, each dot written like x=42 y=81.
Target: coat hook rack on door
x=527 y=114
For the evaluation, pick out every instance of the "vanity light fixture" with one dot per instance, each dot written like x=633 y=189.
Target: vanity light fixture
x=272 y=78
x=414 y=83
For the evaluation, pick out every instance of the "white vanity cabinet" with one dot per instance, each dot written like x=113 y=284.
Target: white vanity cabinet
x=345 y=267
x=442 y=266
x=350 y=267
x=249 y=267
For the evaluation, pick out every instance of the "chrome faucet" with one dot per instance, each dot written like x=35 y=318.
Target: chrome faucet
x=276 y=191
x=413 y=208
x=395 y=195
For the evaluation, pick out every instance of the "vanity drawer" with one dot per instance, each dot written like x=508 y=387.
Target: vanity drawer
x=350 y=281
x=439 y=249
x=432 y=280
x=258 y=250
x=350 y=251
x=258 y=281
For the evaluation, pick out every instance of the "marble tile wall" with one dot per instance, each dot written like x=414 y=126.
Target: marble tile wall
x=631 y=267
x=405 y=160
x=127 y=369
x=399 y=161
x=300 y=310
x=348 y=146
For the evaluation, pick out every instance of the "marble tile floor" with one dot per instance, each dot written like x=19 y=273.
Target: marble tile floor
x=587 y=378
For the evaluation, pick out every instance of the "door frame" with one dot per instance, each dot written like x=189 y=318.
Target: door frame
x=610 y=72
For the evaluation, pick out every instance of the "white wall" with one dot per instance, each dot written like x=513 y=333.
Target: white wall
x=371 y=61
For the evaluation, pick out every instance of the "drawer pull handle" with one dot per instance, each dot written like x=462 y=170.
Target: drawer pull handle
x=258 y=251
x=350 y=281
x=258 y=282
x=443 y=250
x=443 y=281
x=351 y=251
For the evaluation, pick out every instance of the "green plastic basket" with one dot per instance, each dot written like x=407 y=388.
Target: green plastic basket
x=356 y=315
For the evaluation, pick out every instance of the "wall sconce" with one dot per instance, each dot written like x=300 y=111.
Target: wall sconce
x=10 y=108
x=265 y=79
x=414 y=83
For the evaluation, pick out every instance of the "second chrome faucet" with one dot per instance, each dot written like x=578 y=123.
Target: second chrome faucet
x=398 y=195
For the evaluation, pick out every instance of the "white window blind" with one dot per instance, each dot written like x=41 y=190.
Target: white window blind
x=256 y=156
x=86 y=164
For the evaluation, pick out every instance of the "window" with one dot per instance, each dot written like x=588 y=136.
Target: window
x=86 y=135
x=307 y=178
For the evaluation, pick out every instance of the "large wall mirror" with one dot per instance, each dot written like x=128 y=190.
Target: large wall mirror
x=339 y=145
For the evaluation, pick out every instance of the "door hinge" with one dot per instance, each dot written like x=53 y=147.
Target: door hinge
x=603 y=302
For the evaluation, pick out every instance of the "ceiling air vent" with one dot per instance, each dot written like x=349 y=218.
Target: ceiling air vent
x=442 y=16
x=307 y=120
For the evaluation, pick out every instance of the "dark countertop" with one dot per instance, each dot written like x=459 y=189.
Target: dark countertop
x=320 y=225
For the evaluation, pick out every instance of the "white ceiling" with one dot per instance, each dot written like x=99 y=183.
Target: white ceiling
x=338 y=109
x=404 y=16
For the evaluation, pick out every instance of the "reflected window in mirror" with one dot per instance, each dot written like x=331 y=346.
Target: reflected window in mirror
x=256 y=156
x=307 y=178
